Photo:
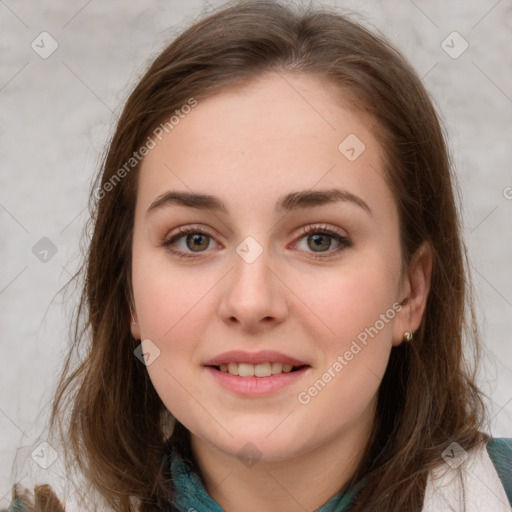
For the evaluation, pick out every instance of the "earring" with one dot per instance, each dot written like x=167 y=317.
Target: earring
x=407 y=336
x=133 y=321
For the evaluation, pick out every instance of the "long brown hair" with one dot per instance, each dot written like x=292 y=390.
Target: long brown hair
x=115 y=430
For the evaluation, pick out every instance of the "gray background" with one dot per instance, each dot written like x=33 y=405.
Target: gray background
x=56 y=114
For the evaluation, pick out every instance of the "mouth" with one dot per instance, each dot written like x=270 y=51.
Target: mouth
x=257 y=380
x=257 y=370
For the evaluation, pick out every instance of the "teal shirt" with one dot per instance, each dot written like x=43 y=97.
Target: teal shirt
x=192 y=494
x=500 y=452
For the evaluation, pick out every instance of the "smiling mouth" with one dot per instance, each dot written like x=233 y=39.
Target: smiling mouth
x=257 y=370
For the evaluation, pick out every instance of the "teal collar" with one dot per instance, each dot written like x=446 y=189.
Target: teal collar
x=192 y=495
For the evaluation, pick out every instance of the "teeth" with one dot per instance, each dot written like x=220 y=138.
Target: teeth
x=258 y=370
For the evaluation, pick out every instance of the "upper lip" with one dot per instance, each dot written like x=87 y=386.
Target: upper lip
x=264 y=356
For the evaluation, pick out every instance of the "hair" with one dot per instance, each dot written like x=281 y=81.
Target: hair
x=106 y=408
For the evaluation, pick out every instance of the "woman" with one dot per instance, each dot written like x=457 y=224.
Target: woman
x=276 y=290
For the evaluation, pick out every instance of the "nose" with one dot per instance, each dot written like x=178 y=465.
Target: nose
x=254 y=296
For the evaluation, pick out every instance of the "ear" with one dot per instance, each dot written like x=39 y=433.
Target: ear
x=134 y=325
x=414 y=293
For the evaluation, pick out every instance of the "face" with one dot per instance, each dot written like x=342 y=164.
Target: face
x=285 y=264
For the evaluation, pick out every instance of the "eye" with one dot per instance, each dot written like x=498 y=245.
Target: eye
x=192 y=238
x=319 y=240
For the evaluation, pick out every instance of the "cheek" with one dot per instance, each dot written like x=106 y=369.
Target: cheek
x=358 y=309
x=165 y=295
x=354 y=336
x=172 y=308
x=348 y=300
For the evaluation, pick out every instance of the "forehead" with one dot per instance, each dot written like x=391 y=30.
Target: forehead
x=250 y=144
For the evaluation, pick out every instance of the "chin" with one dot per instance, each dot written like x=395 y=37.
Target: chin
x=253 y=445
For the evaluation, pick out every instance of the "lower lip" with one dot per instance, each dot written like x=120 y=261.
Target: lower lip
x=257 y=386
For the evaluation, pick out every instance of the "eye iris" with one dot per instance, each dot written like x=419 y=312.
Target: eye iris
x=317 y=241
x=196 y=241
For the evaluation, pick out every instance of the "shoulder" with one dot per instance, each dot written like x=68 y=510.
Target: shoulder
x=500 y=452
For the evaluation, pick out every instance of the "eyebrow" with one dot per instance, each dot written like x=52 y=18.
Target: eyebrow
x=289 y=202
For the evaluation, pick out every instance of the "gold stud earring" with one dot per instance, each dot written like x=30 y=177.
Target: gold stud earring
x=407 y=336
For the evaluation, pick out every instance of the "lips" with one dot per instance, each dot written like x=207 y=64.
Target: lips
x=263 y=356
x=257 y=387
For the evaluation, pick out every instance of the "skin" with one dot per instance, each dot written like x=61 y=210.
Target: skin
x=249 y=146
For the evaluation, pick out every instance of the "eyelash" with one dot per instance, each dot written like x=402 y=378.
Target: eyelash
x=322 y=229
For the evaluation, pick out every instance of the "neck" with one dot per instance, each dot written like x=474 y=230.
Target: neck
x=305 y=481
